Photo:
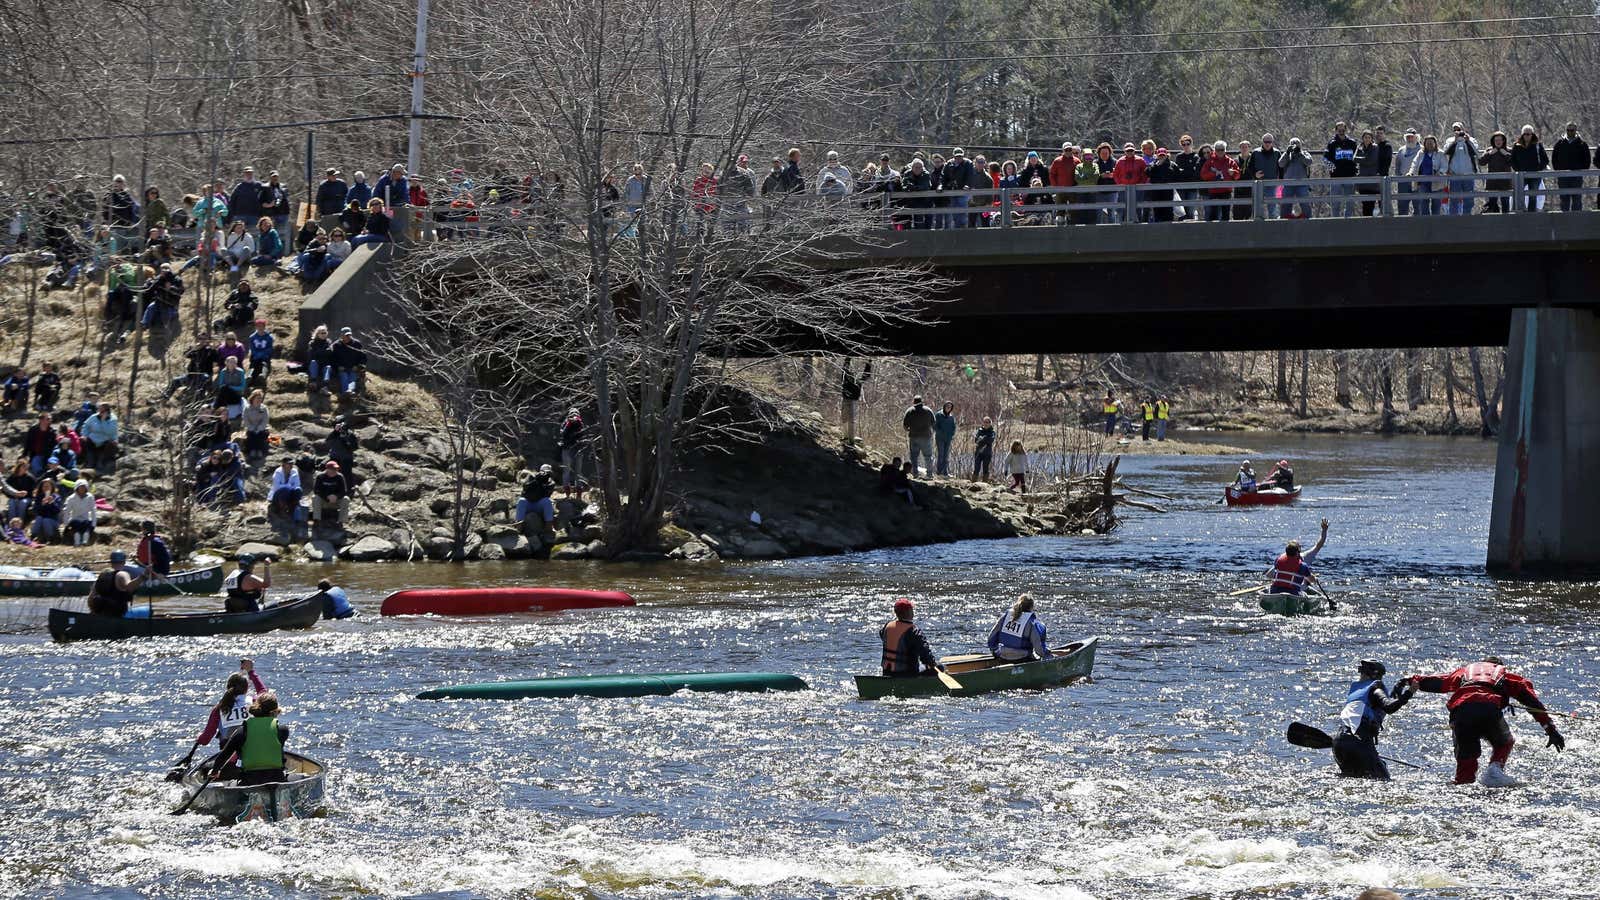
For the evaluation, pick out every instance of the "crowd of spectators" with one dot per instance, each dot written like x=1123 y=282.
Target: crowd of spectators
x=48 y=487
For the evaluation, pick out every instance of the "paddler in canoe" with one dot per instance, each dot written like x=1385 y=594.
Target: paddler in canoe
x=112 y=594
x=229 y=713
x=1244 y=481
x=1366 y=705
x=258 y=743
x=246 y=589
x=1292 y=570
x=1281 y=477
x=1019 y=635
x=906 y=653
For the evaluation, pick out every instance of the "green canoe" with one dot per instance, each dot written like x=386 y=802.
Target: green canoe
x=981 y=673
x=1295 y=604
x=70 y=581
x=641 y=685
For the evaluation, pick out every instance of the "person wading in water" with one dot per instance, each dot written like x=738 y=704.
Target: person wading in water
x=1479 y=695
x=1366 y=704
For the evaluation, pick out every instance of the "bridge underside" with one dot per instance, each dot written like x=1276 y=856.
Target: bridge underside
x=1434 y=281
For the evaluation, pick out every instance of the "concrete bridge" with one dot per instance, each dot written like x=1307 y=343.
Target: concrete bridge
x=1527 y=281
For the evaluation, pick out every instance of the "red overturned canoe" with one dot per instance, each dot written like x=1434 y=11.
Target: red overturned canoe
x=1268 y=497
x=496 y=601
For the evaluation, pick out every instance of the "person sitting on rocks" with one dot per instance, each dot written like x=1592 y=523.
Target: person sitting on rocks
x=81 y=515
x=348 y=361
x=902 y=482
x=330 y=494
x=15 y=534
x=261 y=344
x=284 y=500
x=239 y=309
x=888 y=475
x=64 y=460
x=46 y=508
x=256 y=420
x=200 y=365
x=99 y=434
x=46 y=388
x=341 y=444
x=17 y=386
x=232 y=383
x=162 y=298
x=536 y=491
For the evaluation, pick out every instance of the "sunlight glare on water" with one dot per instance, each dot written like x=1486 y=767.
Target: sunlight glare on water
x=1168 y=777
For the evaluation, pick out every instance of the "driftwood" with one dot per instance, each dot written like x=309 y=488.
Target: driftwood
x=1139 y=504
x=1144 y=493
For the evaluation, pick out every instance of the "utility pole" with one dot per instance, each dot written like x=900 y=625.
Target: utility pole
x=418 y=67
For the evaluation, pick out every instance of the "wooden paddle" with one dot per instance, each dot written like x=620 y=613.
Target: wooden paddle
x=1250 y=590
x=1303 y=735
x=949 y=680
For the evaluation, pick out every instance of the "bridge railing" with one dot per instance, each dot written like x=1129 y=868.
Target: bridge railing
x=1403 y=195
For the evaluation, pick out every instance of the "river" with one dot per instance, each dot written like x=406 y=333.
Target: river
x=1167 y=777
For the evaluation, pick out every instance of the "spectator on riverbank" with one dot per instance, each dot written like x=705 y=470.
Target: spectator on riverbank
x=99 y=434
x=944 y=434
x=330 y=493
x=341 y=445
x=275 y=202
x=239 y=247
x=376 y=230
x=918 y=422
x=983 y=449
x=359 y=193
x=256 y=421
x=37 y=442
x=80 y=514
x=46 y=510
x=232 y=384
x=1017 y=468
x=269 y=243
x=260 y=344
x=1163 y=415
x=283 y=500
x=346 y=360
x=14 y=392
x=571 y=443
x=331 y=193
x=18 y=487
x=46 y=388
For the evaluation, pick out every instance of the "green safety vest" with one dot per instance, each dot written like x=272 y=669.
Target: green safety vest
x=262 y=749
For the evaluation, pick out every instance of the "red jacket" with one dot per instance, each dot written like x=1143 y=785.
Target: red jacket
x=1484 y=682
x=1219 y=167
x=1061 y=171
x=1131 y=170
x=704 y=188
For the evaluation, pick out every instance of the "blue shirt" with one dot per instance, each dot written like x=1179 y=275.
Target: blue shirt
x=260 y=345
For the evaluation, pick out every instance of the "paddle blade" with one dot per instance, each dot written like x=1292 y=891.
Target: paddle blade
x=1248 y=590
x=176 y=773
x=949 y=681
x=1303 y=735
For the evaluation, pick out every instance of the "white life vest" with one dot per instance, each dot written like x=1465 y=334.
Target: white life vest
x=231 y=720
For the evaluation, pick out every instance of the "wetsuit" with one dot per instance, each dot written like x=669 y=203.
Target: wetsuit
x=1355 y=748
x=1479 y=694
x=904 y=648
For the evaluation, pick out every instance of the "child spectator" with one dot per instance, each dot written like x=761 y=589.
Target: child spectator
x=260 y=344
x=46 y=512
x=15 y=534
x=1017 y=468
x=15 y=393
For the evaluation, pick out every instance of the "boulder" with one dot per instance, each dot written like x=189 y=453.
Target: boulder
x=694 y=551
x=488 y=551
x=319 y=551
x=439 y=547
x=440 y=506
x=758 y=548
x=571 y=551
x=258 y=550
x=405 y=490
x=369 y=548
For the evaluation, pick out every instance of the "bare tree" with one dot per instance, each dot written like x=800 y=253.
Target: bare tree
x=572 y=299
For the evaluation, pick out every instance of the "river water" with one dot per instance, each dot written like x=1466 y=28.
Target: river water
x=1168 y=777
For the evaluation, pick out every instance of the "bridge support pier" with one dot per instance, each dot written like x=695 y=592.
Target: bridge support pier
x=1546 y=514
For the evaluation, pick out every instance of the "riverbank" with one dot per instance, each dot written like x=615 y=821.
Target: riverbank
x=797 y=492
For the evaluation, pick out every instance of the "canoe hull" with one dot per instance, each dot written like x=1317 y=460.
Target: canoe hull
x=207 y=580
x=1270 y=497
x=300 y=797
x=497 y=601
x=642 y=685
x=983 y=674
x=72 y=625
x=1293 y=604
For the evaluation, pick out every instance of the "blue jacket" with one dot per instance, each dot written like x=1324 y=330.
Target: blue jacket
x=944 y=426
x=360 y=192
x=394 y=192
x=260 y=344
x=245 y=202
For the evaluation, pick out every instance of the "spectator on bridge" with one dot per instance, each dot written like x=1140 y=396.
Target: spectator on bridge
x=1528 y=155
x=1570 y=154
x=738 y=187
x=1131 y=169
x=1245 y=209
x=1188 y=162
x=1062 y=175
x=377 y=225
x=275 y=202
x=1404 y=158
x=331 y=193
x=1265 y=166
x=1372 y=162
x=1495 y=160
x=1222 y=168
x=1105 y=169
x=944 y=434
x=959 y=175
x=1340 y=157
x=916 y=179
x=1427 y=169
x=244 y=204
x=1085 y=206
x=832 y=167
x=1295 y=164
x=703 y=193
x=1162 y=171
x=919 y=425
x=1461 y=154
x=1033 y=167
x=360 y=192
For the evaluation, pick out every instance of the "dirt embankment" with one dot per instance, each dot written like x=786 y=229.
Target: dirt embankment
x=811 y=495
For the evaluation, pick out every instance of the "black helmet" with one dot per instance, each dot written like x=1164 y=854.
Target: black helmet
x=246 y=560
x=147 y=526
x=1371 y=668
